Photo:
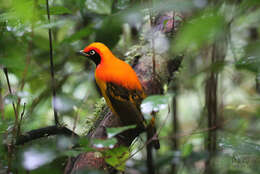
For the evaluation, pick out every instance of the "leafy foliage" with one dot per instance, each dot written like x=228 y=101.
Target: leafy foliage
x=124 y=25
x=116 y=157
x=116 y=130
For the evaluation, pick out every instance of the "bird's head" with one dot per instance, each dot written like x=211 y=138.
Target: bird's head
x=97 y=52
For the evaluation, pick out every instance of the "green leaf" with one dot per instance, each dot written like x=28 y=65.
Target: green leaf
x=59 y=10
x=154 y=103
x=22 y=11
x=251 y=3
x=59 y=23
x=99 y=143
x=99 y=6
x=111 y=26
x=79 y=34
x=116 y=130
x=199 y=31
x=84 y=141
x=240 y=145
x=122 y=4
x=163 y=160
x=64 y=103
x=10 y=99
x=85 y=145
x=71 y=153
x=3 y=127
x=9 y=62
x=251 y=61
x=117 y=157
x=186 y=150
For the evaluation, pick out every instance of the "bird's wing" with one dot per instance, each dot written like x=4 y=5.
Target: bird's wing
x=126 y=104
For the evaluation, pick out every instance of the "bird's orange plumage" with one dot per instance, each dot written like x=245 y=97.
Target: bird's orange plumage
x=120 y=87
x=112 y=69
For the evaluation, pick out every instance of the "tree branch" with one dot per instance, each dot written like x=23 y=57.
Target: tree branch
x=43 y=132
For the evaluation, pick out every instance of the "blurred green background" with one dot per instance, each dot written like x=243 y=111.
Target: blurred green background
x=232 y=25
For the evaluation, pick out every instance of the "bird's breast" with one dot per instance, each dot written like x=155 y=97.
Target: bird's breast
x=120 y=74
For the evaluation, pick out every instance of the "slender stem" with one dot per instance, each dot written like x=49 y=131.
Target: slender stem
x=149 y=160
x=153 y=60
x=2 y=110
x=175 y=125
x=52 y=69
x=21 y=119
x=10 y=146
x=10 y=91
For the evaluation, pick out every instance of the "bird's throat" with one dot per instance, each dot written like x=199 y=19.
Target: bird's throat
x=96 y=59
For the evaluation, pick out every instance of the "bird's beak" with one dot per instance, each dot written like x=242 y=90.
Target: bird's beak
x=81 y=52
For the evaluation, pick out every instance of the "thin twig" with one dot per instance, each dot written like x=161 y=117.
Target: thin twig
x=2 y=110
x=153 y=61
x=11 y=93
x=10 y=146
x=52 y=69
x=175 y=125
x=21 y=119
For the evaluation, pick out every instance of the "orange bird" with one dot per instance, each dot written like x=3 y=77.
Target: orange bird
x=120 y=87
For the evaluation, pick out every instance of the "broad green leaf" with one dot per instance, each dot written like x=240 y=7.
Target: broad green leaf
x=251 y=61
x=186 y=150
x=58 y=23
x=117 y=157
x=31 y=154
x=79 y=34
x=154 y=103
x=110 y=30
x=251 y=3
x=3 y=126
x=164 y=159
x=55 y=10
x=71 y=153
x=3 y=17
x=239 y=145
x=99 y=143
x=22 y=10
x=85 y=145
x=202 y=30
x=122 y=4
x=99 y=6
x=9 y=62
x=84 y=141
x=9 y=99
x=116 y=130
x=65 y=103
x=59 y=10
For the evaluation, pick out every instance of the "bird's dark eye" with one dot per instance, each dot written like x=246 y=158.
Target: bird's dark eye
x=92 y=52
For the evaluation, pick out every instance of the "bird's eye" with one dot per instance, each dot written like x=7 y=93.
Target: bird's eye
x=92 y=52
